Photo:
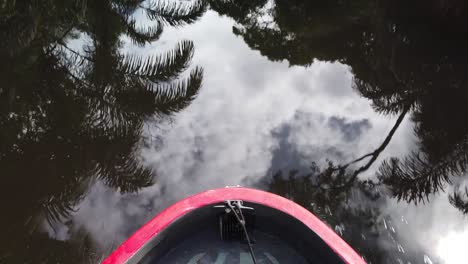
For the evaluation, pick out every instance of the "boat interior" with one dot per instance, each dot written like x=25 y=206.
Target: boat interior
x=213 y=234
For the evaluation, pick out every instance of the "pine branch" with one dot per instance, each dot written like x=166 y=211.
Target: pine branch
x=460 y=202
x=18 y=32
x=386 y=141
x=110 y=119
x=126 y=174
x=126 y=7
x=143 y=35
x=176 y=96
x=175 y=13
x=386 y=101
x=159 y=68
x=61 y=205
x=372 y=155
x=416 y=177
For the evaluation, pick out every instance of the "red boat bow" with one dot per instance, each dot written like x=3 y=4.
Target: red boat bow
x=130 y=247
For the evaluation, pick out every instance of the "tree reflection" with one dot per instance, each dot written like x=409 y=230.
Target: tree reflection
x=353 y=212
x=406 y=58
x=69 y=116
x=40 y=248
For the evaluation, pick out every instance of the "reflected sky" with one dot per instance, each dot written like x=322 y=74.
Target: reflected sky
x=254 y=117
x=113 y=110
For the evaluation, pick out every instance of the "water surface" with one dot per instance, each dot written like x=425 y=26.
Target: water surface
x=112 y=111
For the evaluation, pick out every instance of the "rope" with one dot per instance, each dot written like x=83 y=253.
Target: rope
x=241 y=221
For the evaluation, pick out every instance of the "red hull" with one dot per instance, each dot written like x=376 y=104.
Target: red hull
x=131 y=246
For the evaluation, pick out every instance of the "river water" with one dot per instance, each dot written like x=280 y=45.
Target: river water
x=284 y=96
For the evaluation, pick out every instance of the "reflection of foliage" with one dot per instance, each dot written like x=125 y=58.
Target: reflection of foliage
x=242 y=11
x=173 y=13
x=352 y=211
x=386 y=45
x=443 y=147
x=459 y=201
x=70 y=117
x=293 y=30
x=39 y=248
x=416 y=177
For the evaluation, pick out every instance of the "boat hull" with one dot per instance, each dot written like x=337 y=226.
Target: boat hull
x=306 y=232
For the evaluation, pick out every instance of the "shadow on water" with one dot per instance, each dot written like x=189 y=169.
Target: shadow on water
x=69 y=117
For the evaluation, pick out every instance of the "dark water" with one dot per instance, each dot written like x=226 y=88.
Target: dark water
x=112 y=110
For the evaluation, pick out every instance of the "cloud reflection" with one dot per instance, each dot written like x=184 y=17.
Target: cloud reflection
x=252 y=117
